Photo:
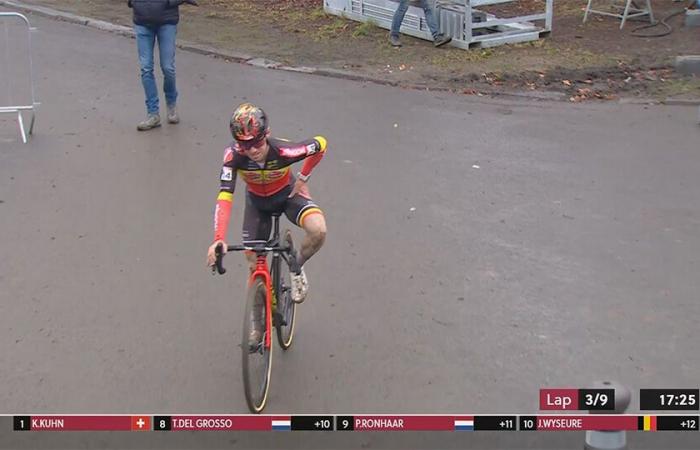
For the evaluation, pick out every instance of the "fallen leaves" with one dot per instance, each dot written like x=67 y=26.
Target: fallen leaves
x=590 y=94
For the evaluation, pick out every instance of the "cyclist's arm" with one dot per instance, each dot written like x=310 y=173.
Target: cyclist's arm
x=224 y=201
x=311 y=151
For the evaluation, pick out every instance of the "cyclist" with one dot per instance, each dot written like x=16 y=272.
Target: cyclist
x=264 y=164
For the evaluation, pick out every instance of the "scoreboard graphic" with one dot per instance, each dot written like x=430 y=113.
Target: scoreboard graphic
x=600 y=402
x=359 y=423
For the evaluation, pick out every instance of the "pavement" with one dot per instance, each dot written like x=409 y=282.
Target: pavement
x=478 y=250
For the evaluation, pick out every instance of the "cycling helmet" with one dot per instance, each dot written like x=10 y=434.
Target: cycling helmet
x=248 y=123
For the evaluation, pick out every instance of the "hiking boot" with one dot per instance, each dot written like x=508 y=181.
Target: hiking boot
x=151 y=122
x=256 y=326
x=394 y=41
x=172 y=115
x=441 y=40
x=300 y=286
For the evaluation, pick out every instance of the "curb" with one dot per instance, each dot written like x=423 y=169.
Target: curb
x=638 y=101
x=244 y=58
x=682 y=101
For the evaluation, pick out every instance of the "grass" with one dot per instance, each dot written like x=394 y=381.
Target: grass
x=293 y=15
x=569 y=8
x=457 y=57
x=331 y=30
x=364 y=29
x=679 y=87
x=317 y=13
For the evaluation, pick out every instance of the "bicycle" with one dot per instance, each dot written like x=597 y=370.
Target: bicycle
x=272 y=288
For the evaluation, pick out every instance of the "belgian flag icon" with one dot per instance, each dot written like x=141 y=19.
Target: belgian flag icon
x=647 y=423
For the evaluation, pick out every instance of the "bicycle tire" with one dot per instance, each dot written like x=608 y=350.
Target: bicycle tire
x=285 y=305
x=255 y=396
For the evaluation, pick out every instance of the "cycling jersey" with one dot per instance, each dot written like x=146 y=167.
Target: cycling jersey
x=269 y=183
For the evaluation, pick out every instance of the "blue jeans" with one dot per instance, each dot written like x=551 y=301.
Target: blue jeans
x=401 y=12
x=145 y=42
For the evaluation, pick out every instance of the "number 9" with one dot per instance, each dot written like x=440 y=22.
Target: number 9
x=345 y=423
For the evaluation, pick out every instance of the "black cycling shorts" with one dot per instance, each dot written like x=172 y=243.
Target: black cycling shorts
x=257 y=218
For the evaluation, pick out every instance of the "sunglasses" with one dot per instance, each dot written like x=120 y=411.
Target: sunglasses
x=247 y=145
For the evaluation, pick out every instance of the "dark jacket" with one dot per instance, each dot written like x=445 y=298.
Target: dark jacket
x=155 y=12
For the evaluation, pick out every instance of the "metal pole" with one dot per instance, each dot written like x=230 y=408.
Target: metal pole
x=19 y=108
x=7 y=63
x=467 y=22
x=549 y=11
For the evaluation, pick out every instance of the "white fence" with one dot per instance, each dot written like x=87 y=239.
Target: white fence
x=16 y=70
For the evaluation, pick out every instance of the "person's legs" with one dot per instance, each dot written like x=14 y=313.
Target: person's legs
x=314 y=225
x=430 y=19
x=167 y=35
x=257 y=225
x=398 y=19
x=438 y=38
x=302 y=211
x=145 y=40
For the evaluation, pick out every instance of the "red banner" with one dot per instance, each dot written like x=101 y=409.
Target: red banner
x=558 y=399
x=404 y=423
x=221 y=423
x=81 y=423
x=591 y=422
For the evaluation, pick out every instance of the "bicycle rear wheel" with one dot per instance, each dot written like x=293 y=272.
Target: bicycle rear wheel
x=256 y=361
x=286 y=307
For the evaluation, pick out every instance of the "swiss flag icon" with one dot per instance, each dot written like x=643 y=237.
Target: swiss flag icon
x=140 y=423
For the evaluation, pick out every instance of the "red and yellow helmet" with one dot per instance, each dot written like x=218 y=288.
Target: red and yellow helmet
x=248 y=123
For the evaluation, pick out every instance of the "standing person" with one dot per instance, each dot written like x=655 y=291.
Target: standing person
x=157 y=19
x=438 y=38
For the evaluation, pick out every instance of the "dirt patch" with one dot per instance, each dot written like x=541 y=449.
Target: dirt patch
x=595 y=60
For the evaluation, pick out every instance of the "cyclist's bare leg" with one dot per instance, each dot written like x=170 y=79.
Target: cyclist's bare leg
x=315 y=227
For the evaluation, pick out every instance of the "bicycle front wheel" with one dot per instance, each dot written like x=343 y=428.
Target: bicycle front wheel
x=256 y=357
x=286 y=307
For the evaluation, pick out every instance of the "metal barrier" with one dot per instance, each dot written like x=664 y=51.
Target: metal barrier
x=627 y=11
x=463 y=20
x=5 y=17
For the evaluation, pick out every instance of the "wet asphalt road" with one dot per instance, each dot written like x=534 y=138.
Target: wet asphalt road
x=478 y=249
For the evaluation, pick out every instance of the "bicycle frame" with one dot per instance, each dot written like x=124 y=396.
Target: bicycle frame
x=262 y=271
x=270 y=276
